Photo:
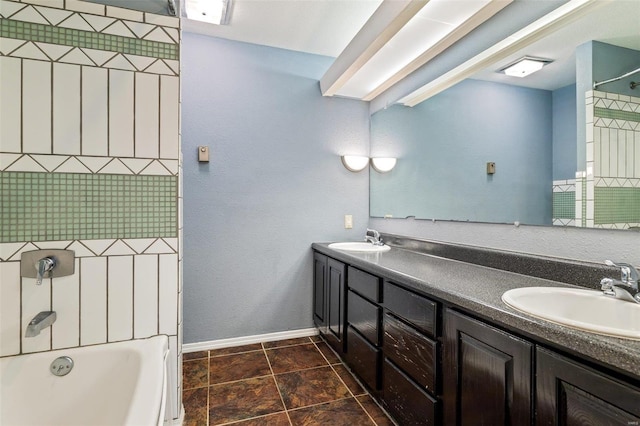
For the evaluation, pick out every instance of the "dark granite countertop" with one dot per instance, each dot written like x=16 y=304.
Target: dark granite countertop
x=478 y=290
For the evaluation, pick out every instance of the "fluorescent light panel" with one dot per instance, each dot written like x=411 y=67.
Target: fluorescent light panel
x=210 y=11
x=525 y=66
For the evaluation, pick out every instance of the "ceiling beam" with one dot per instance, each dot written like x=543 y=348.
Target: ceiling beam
x=449 y=40
x=385 y=22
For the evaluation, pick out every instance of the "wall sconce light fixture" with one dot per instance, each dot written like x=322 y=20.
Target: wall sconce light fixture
x=354 y=163
x=383 y=164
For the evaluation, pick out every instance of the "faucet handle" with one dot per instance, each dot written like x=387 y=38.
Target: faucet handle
x=629 y=274
x=44 y=265
x=606 y=285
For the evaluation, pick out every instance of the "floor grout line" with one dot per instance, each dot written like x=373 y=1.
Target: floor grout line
x=316 y=345
x=286 y=411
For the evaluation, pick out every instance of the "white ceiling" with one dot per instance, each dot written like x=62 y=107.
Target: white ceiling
x=322 y=27
x=325 y=27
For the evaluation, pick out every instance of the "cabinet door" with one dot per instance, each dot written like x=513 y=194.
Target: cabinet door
x=319 y=290
x=336 y=308
x=568 y=393
x=487 y=374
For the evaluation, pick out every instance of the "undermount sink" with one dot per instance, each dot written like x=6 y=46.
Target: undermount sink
x=364 y=247
x=588 y=310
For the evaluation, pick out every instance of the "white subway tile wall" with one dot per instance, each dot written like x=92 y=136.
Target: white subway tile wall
x=93 y=90
x=612 y=162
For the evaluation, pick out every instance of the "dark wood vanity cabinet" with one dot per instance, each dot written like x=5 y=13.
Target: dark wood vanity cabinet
x=410 y=375
x=329 y=301
x=488 y=374
x=428 y=363
x=569 y=393
x=364 y=337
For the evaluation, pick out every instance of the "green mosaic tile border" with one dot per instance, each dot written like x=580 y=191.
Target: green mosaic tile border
x=70 y=206
x=30 y=31
x=616 y=205
x=616 y=114
x=564 y=205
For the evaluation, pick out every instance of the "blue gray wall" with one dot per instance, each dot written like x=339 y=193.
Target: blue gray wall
x=444 y=143
x=274 y=184
x=564 y=132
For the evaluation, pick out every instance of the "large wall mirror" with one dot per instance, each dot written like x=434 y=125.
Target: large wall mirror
x=564 y=154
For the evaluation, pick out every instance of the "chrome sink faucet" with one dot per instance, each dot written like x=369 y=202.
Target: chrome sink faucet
x=626 y=288
x=41 y=321
x=373 y=237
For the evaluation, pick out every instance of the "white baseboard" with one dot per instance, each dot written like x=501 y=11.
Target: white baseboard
x=247 y=340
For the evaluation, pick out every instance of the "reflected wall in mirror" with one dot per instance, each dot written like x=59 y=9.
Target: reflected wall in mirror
x=564 y=154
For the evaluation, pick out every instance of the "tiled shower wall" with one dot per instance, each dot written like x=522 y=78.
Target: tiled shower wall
x=611 y=182
x=90 y=161
x=564 y=202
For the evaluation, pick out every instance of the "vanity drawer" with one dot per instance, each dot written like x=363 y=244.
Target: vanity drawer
x=363 y=358
x=365 y=317
x=414 y=353
x=415 y=309
x=366 y=284
x=405 y=401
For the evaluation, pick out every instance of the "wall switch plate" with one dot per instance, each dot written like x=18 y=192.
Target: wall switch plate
x=348 y=221
x=491 y=168
x=203 y=154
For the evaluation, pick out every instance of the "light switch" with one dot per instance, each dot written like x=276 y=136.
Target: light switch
x=491 y=168
x=348 y=221
x=203 y=154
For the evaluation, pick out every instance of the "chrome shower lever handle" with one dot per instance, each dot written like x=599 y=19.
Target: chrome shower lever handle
x=44 y=265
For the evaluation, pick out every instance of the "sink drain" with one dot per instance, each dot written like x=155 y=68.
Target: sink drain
x=61 y=366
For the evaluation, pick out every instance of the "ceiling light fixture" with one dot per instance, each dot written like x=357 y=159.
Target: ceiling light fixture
x=217 y=12
x=354 y=163
x=525 y=66
x=383 y=164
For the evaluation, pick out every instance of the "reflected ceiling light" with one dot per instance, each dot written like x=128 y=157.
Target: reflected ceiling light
x=216 y=12
x=525 y=66
x=354 y=163
x=533 y=32
x=383 y=164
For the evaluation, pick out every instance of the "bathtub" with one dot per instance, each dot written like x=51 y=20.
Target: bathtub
x=122 y=383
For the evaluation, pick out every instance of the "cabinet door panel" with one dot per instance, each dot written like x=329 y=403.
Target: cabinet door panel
x=364 y=316
x=487 y=374
x=411 y=351
x=336 y=308
x=571 y=394
x=319 y=289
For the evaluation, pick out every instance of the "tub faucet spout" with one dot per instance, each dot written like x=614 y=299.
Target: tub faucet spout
x=41 y=321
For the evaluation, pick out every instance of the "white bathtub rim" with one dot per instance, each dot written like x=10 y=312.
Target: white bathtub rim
x=150 y=364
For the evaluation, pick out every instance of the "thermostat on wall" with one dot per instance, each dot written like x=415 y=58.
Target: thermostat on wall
x=491 y=168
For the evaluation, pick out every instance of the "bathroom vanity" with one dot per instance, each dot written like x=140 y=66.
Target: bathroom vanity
x=432 y=340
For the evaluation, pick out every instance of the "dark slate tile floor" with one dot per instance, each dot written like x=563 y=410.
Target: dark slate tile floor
x=288 y=382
